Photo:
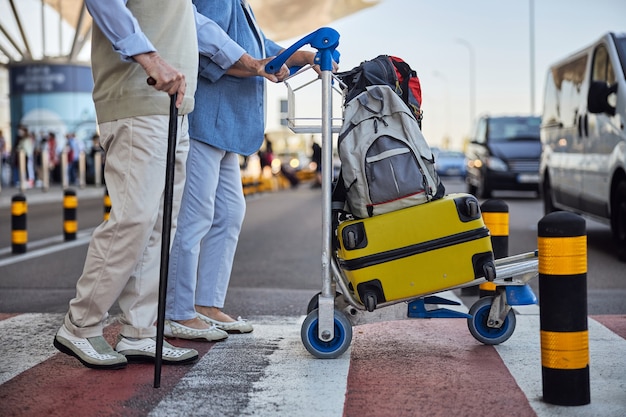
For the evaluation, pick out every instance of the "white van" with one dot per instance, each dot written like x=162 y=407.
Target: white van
x=583 y=163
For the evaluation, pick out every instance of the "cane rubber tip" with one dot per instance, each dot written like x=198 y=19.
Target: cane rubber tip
x=151 y=81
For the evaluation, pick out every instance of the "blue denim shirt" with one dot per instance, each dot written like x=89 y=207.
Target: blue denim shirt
x=229 y=112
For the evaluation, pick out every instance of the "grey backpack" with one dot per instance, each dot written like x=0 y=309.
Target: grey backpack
x=386 y=164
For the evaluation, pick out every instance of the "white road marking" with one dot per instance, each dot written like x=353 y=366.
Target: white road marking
x=26 y=341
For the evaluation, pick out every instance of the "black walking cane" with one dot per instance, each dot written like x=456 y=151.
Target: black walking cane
x=165 y=234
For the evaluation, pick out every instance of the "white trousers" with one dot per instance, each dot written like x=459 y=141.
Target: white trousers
x=123 y=259
x=211 y=215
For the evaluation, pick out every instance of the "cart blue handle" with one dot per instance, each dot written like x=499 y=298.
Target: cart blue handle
x=325 y=40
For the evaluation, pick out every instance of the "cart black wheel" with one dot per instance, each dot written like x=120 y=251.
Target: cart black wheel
x=326 y=349
x=478 y=327
x=314 y=303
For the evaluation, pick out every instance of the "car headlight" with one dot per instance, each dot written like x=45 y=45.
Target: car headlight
x=496 y=164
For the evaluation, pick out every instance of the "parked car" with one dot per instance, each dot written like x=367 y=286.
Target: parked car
x=451 y=163
x=583 y=165
x=504 y=154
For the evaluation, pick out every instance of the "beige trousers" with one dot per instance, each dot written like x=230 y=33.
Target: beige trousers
x=123 y=259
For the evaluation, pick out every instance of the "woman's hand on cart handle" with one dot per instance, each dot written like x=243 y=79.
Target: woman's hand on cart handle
x=325 y=40
x=247 y=66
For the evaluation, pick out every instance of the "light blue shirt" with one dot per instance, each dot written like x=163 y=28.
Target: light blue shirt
x=121 y=28
x=229 y=111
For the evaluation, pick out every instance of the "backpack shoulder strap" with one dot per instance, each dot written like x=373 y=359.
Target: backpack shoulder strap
x=406 y=72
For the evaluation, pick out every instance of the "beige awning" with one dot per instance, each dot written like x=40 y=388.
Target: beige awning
x=279 y=19
x=70 y=10
x=286 y=19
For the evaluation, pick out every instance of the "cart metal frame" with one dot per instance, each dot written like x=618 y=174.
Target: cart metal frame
x=326 y=331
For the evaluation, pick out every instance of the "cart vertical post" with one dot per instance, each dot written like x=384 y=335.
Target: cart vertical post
x=325 y=41
x=327 y=297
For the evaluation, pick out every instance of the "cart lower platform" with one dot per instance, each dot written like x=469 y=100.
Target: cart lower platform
x=327 y=329
x=491 y=320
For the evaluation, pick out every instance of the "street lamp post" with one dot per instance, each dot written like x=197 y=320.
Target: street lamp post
x=445 y=142
x=532 y=55
x=472 y=76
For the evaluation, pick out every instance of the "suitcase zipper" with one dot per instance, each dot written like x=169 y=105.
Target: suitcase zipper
x=399 y=253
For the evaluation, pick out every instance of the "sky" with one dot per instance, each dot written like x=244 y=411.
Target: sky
x=436 y=36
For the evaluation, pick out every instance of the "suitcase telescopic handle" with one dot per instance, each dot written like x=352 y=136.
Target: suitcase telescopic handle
x=325 y=40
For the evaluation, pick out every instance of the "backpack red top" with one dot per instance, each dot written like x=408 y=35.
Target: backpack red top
x=410 y=85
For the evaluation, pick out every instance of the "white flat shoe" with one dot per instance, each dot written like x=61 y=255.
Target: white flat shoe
x=238 y=326
x=175 y=329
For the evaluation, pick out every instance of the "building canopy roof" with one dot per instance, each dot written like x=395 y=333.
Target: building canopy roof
x=67 y=24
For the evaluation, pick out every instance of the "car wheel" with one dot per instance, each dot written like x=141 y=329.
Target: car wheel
x=618 y=219
x=471 y=189
x=548 y=200
x=483 y=190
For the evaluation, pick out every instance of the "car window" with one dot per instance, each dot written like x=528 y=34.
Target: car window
x=481 y=131
x=602 y=67
x=502 y=129
x=620 y=43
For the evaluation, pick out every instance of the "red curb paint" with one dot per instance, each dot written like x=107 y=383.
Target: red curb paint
x=428 y=368
x=62 y=386
x=615 y=323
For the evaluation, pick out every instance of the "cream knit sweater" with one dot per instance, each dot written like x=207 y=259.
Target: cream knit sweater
x=120 y=88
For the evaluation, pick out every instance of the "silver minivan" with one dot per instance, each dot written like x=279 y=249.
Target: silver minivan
x=583 y=162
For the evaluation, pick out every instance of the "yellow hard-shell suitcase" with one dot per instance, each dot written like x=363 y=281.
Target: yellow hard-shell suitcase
x=416 y=251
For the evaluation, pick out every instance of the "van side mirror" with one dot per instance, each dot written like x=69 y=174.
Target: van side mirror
x=598 y=98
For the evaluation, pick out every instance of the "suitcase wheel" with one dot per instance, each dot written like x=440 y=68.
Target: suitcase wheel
x=489 y=269
x=370 y=301
x=472 y=208
x=467 y=207
x=351 y=240
x=354 y=236
x=371 y=293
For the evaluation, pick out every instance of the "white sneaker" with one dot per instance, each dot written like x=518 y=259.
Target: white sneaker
x=93 y=352
x=143 y=350
x=175 y=329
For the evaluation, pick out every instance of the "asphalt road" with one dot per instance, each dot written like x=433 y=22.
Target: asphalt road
x=278 y=262
x=398 y=367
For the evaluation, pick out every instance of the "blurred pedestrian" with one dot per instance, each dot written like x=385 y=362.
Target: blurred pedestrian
x=316 y=158
x=4 y=159
x=53 y=158
x=73 y=155
x=26 y=145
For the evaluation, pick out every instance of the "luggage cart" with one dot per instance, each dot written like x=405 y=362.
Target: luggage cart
x=327 y=329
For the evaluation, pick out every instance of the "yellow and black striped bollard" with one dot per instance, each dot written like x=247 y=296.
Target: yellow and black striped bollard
x=562 y=246
x=70 y=220
x=107 y=204
x=19 y=234
x=496 y=217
